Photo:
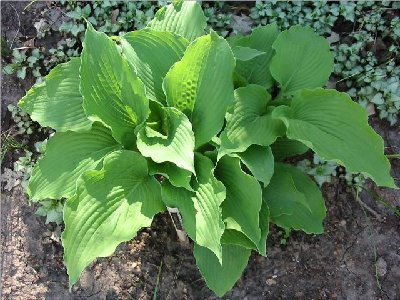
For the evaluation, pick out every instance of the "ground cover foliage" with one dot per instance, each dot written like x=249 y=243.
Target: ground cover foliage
x=243 y=56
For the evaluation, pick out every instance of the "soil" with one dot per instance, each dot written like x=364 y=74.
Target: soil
x=358 y=256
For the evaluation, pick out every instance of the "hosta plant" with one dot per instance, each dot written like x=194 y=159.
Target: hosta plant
x=216 y=118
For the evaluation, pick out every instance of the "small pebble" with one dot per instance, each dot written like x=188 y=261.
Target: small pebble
x=381 y=267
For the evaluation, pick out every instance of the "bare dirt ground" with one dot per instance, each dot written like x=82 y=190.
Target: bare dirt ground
x=358 y=257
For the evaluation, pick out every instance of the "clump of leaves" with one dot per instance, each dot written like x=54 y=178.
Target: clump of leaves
x=199 y=110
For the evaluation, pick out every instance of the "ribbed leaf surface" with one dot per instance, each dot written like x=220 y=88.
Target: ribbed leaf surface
x=200 y=210
x=302 y=60
x=243 y=198
x=200 y=85
x=185 y=18
x=250 y=122
x=68 y=155
x=57 y=102
x=152 y=54
x=110 y=206
x=176 y=146
x=112 y=92
x=336 y=128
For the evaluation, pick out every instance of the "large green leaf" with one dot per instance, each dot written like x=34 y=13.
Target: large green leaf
x=294 y=200
x=200 y=210
x=176 y=145
x=110 y=206
x=68 y=155
x=260 y=162
x=200 y=85
x=302 y=60
x=243 y=198
x=234 y=237
x=152 y=53
x=337 y=129
x=221 y=278
x=284 y=148
x=57 y=102
x=185 y=18
x=112 y=93
x=250 y=122
x=256 y=70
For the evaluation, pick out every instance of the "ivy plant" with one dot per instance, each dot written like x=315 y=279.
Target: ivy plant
x=209 y=115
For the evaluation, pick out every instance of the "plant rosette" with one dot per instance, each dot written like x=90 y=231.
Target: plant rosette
x=173 y=100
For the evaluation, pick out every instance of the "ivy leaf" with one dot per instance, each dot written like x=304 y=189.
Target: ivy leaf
x=68 y=155
x=109 y=208
x=302 y=60
x=176 y=145
x=243 y=198
x=200 y=85
x=152 y=54
x=294 y=200
x=221 y=278
x=284 y=148
x=185 y=18
x=250 y=122
x=336 y=128
x=56 y=102
x=256 y=70
x=114 y=96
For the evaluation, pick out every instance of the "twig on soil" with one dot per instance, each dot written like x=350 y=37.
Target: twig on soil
x=158 y=281
x=29 y=4
x=19 y=26
x=365 y=206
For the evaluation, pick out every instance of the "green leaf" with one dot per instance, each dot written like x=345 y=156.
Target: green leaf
x=57 y=102
x=250 y=122
x=185 y=18
x=221 y=278
x=112 y=92
x=68 y=155
x=109 y=208
x=336 y=128
x=284 y=148
x=200 y=210
x=294 y=200
x=245 y=53
x=243 y=198
x=177 y=176
x=152 y=54
x=256 y=70
x=235 y=237
x=260 y=162
x=302 y=60
x=200 y=85
x=176 y=145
